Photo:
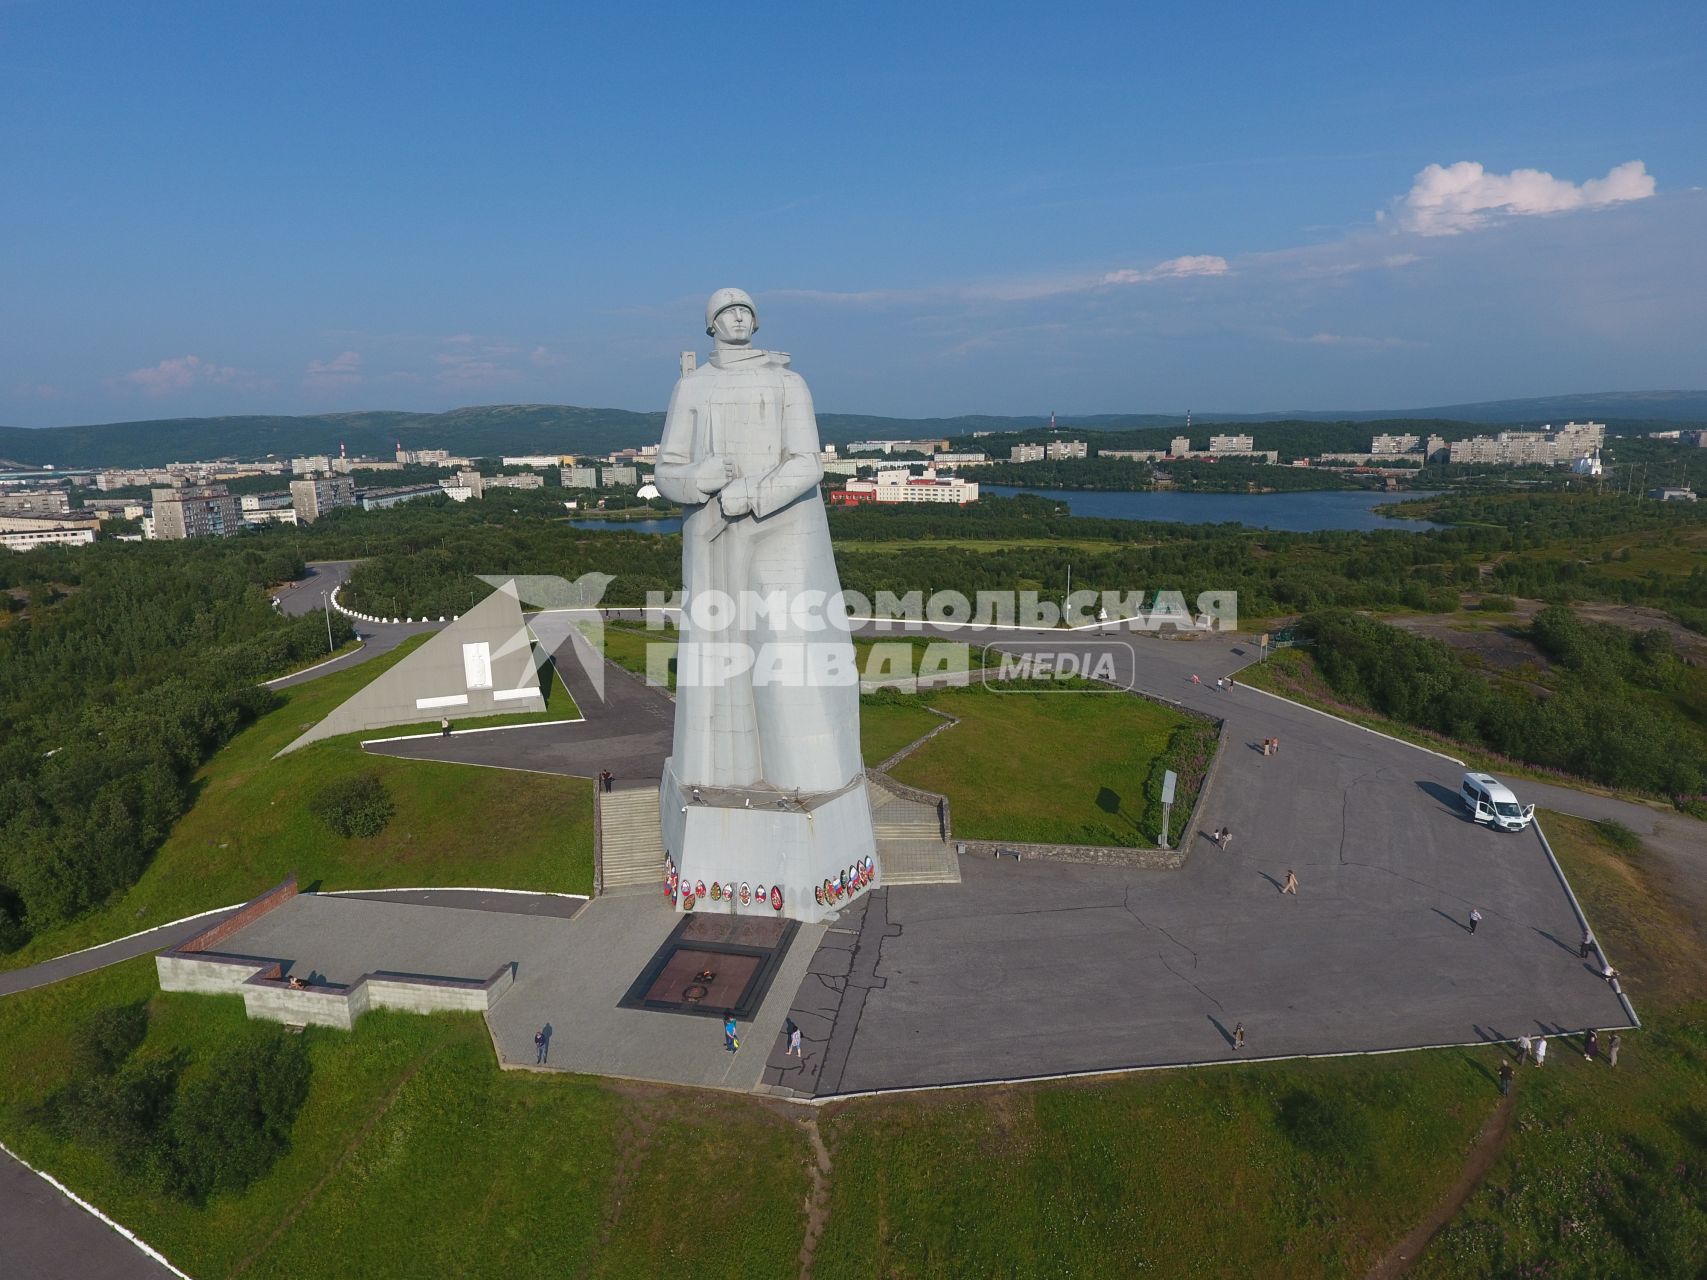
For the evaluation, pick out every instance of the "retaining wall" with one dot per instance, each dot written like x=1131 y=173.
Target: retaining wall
x=245 y=916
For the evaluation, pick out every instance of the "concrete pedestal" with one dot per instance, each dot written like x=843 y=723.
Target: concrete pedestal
x=760 y=837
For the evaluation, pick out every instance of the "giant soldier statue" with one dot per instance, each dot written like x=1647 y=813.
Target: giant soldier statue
x=765 y=788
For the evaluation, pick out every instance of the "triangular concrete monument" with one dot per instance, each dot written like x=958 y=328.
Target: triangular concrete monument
x=481 y=665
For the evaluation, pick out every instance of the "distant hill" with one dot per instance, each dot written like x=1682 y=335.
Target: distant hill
x=489 y=430
x=1611 y=407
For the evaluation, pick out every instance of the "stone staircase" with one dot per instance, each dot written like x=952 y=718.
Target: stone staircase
x=910 y=847
x=631 y=847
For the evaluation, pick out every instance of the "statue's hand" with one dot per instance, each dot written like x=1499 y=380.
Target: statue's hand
x=714 y=473
x=736 y=500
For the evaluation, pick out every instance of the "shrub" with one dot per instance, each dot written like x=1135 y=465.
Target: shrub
x=1497 y=604
x=102 y=1042
x=355 y=807
x=232 y=1123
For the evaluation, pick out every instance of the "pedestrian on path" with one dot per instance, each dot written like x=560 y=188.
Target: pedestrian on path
x=1587 y=942
x=1505 y=1078
x=1291 y=885
x=1612 y=1047
x=1238 y=1035
x=1523 y=1050
x=1591 y=1044
x=793 y=1030
x=1223 y=837
x=1612 y=975
x=731 y=1041
x=444 y=726
x=1268 y=746
x=1194 y=678
x=1540 y=1051
x=541 y=1045
x=1475 y=919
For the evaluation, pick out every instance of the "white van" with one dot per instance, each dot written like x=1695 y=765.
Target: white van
x=1491 y=801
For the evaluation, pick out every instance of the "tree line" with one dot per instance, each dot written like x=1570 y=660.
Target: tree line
x=129 y=666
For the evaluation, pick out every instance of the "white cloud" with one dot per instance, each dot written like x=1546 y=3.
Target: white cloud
x=1352 y=341
x=1015 y=290
x=1447 y=199
x=180 y=374
x=1192 y=264
x=458 y=369
x=340 y=371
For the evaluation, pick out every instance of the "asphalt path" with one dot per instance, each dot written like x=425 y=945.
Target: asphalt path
x=45 y=1236
x=311 y=591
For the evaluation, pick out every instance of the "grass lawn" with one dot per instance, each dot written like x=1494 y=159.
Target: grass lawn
x=886 y=724
x=1307 y=1169
x=415 y=1157
x=1066 y=767
x=250 y=827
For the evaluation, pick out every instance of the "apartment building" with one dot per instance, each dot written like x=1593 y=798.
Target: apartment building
x=196 y=511
x=314 y=497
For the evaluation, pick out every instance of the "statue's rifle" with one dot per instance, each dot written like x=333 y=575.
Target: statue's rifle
x=723 y=521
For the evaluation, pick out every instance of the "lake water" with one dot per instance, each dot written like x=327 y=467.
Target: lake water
x=671 y=524
x=1306 y=511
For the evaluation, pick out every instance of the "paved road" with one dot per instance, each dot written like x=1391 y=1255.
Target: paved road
x=1037 y=968
x=143 y=944
x=308 y=593
x=44 y=1236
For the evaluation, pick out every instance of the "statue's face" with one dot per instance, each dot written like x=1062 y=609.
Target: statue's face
x=734 y=324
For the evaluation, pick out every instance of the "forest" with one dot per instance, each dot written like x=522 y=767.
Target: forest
x=1618 y=707
x=123 y=667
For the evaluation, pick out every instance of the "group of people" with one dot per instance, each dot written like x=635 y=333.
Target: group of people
x=605 y=779
x=1535 y=1050
x=1271 y=746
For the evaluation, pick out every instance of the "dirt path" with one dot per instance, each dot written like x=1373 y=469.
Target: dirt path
x=818 y=1202
x=1489 y=1143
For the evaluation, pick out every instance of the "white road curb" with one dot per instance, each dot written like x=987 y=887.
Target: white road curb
x=141 y=1245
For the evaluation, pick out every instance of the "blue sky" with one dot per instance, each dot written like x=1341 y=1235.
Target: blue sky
x=302 y=207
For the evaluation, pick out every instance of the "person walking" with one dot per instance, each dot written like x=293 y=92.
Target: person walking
x=1224 y=837
x=444 y=726
x=1591 y=1044
x=1523 y=1050
x=1505 y=1078
x=731 y=1040
x=1587 y=942
x=1475 y=919
x=1194 y=678
x=1540 y=1051
x=1291 y=885
x=1612 y=1047
x=793 y=1050
x=1238 y=1035
x=541 y=1046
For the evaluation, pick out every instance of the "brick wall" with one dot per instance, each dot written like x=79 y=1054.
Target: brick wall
x=250 y=912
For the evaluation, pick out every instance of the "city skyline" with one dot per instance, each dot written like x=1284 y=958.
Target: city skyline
x=323 y=210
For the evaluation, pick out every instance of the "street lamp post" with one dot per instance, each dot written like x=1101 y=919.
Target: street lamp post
x=326 y=600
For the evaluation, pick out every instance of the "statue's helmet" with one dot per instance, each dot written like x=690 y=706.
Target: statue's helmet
x=722 y=300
